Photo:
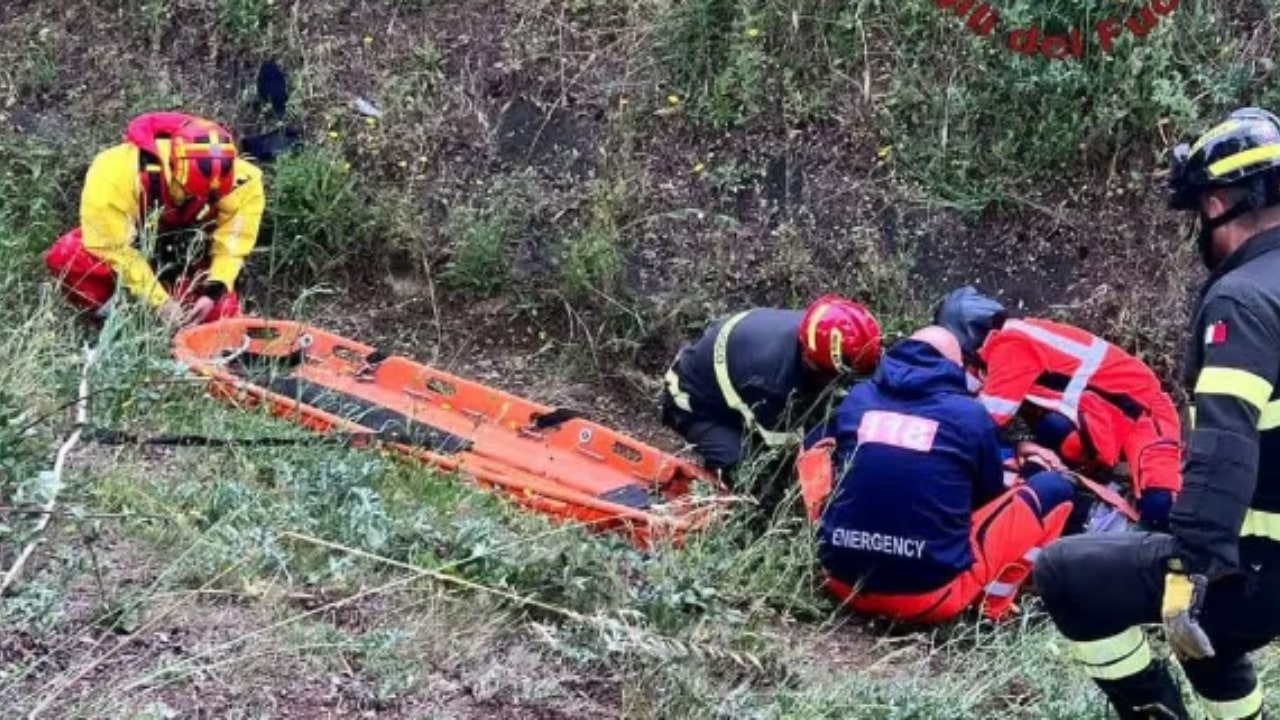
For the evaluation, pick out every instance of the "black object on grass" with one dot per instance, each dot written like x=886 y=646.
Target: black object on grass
x=273 y=87
x=269 y=146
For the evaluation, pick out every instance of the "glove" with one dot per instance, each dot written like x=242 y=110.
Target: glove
x=1153 y=509
x=1180 y=611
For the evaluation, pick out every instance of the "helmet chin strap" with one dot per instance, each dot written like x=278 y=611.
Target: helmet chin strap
x=1204 y=241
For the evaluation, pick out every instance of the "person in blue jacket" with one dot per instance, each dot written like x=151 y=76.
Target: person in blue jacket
x=919 y=523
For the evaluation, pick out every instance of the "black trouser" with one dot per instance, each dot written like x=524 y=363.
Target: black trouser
x=724 y=445
x=717 y=441
x=1099 y=588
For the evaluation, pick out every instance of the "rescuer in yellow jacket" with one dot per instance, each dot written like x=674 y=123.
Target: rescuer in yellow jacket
x=171 y=213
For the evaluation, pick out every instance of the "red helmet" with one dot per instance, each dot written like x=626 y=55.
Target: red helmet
x=840 y=335
x=202 y=160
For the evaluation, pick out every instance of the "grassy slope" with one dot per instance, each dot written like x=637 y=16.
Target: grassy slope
x=558 y=191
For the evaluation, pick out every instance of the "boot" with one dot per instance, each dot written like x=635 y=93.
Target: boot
x=1149 y=695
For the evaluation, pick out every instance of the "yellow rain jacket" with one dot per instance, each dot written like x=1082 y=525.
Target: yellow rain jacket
x=114 y=209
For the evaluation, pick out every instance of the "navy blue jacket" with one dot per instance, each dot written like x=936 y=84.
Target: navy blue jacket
x=899 y=514
x=764 y=366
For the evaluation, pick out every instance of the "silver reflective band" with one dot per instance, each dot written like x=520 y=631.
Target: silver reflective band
x=1090 y=356
x=999 y=406
x=1000 y=589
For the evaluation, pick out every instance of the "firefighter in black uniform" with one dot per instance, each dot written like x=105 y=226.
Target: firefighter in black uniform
x=1214 y=581
x=752 y=379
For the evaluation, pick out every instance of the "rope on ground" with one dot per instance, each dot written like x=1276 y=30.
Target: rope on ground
x=82 y=420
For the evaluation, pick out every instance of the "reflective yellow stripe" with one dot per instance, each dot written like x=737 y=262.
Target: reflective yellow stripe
x=812 y=330
x=720 y=360
x=1241 y=384
x=837 y=356
x=1245 y=707
x=1118 y=656
x=1270 y=418
x=1261 y=524
x=680 y=397
x=1216 y=131
x=1244 y=159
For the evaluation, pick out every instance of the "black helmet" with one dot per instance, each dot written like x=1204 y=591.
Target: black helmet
x=1242 y=151
x=970 y=316
x=1243 y=147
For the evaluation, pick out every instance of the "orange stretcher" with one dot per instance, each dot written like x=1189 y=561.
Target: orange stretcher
x=547 y=459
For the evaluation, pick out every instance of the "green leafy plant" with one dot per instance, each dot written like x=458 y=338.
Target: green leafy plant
x=481 y=244
x=242 y=21
x=317 y=215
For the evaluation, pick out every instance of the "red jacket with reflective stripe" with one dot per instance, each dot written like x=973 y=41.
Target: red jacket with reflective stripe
x=1101 y=388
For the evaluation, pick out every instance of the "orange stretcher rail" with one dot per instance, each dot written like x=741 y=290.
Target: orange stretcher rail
x=547 y=459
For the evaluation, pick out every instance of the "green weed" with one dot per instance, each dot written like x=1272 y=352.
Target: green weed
x=317 y=215
x=37 y=199
x=738 y=62
x=957 y=107
x=243 y=21
x=40 y=73
x=154 y=94
x=428 y=57
x=481 y=250
x=592 y=261
x=155 y=17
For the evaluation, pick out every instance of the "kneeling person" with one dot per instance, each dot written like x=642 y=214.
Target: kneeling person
x=920 y=524
x=756 y=378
